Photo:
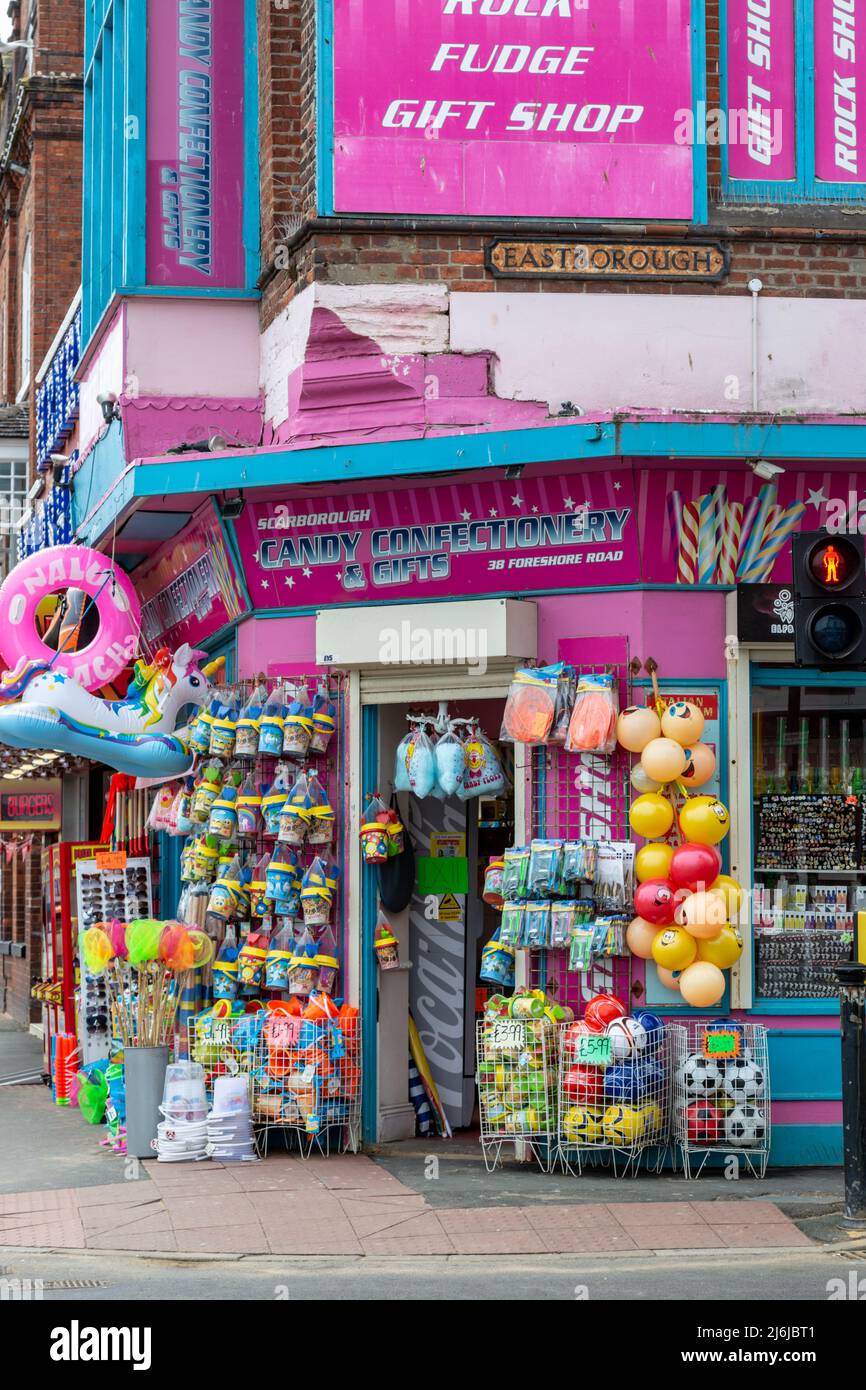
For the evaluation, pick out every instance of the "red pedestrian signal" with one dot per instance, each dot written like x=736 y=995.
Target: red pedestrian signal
x=829 y=600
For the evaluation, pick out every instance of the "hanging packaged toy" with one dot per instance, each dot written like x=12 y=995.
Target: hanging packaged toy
x=386 y=946
x=224 y=728
x=497 y=962
x=545 y=868
x=512 y=923
x=321 y=821
x=272 y=722
x=304 y=970
x=225 y=967
x=283 y=881
x=316 y=897
x=530 y=708
x=273 y=801
x=592 y=728
x=260 y=904
x=484 y=774
x=205 y=858
x=374 y=831
x=223 y=820
x=251 y=960
x=280 y=952
x=450 y=762
x=249 y=808
x=294 y=815
x=199 y=730
x=324 y=716
x=247 y=733
x=535 y=927
x=515 y=873
x=493 y=882
x=565 y=692
x=298 y=728
x=329 y=964
x=181 y=819
x=160 y=811
x=207 y=790
x=420 y=762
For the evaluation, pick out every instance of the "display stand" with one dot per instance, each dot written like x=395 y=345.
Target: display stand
x=721 y=1094
x=123 y=892
x=517 y=1087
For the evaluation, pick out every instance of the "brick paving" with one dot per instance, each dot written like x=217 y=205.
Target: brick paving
x=349 y=1205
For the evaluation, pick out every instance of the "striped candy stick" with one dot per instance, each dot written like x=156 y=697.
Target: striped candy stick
x=776 y=536
x=707 y=538
x=731 y=532
x=687 y=569
x=766 y=499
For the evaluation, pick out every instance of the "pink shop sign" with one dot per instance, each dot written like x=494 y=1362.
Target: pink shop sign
x=840 y=90
x=195 y=143
x=189 y=589
x=761 y=67
x=561 y=530
x=519 y=108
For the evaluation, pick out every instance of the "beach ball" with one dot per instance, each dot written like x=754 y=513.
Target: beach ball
x=663 y=759
x=703 y=914
x=96 y=950
x=702 y=984
x=636 y=726
x=705 y=820
x=684 y=722
x=699 y=768
x=653 y=861
x=656 y=901
x=639 y=938
x=694 y=866
x=733 y=894
x=669 y=978
x=723 y=950
x=641 y=781
x=602 y=1010
x=674 y=948
x=651 y=816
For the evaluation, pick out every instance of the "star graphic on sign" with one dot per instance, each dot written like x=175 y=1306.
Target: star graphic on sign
x=493 y=511
x=466 y=516
x=569 y=502
x=817 y=499
x=535 y=509
x=339 y=574
x=290 y=580
x=617 y=487
x=266 y=583
x=306 y=572
x=517 y=501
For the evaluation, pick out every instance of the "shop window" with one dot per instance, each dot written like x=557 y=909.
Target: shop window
x=795 y=130
x=13 y=499
x=26 y=319
x=809 y=800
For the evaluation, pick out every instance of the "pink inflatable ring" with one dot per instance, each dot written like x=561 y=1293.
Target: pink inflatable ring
x=71 y=567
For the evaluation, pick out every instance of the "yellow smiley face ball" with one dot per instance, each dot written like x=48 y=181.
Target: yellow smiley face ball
x=651 y=816
x=704 y=820
x=653 y=861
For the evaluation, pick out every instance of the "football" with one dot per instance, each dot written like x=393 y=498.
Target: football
x=703 y=1123
x=743 y=1081
x=745 y=1126
x=627 y=1037
x=699 y=1076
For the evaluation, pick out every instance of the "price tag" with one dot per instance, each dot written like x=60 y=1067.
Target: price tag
x=113 y=859
x=507 y=1035
x=220 y=1034
x=595 y=1051
x=722 y=1044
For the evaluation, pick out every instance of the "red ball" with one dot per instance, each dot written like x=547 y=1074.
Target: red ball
x=695 y=867
x=602 y=1010
x=574 y=1032
x=656 y=901
x=703 y=1122
x=584 y=1085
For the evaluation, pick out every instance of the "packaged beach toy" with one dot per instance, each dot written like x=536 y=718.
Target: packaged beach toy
x=160 y=811
x=530 y=708
x=223 y=899
x=272 y=722
x=294 y=814
x=249 y=808
x=386 y=946
x=493 y=876
x=279 y=957
x=321 y=820
x=208 y=788
x=374 y=831
x=497 y=963
x=298 y=727
x=324 y=717
x=511 y=927
x=545 y=875
x=328 y=961
x=251 y=960
x=304 y=971
x=282 y=880
x=515 y=874
x=205 y=858
x=484 y=774
x=450 y=762
x=199 y=729
x=181 y=820
x=316 y=897
x=223 y=820
x=224 y=727
x=225 y=967
x=247 y=732
x=592 y=728
x=273 y=801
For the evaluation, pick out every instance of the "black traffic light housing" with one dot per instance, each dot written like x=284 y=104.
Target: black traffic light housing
x=829 y=600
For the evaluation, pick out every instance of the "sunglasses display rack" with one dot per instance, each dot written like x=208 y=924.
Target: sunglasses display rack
x=125 y=893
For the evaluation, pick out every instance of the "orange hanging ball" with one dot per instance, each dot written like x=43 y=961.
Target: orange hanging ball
x=684 y=722
x=702 y=984
x=699 y=768
x=639 y=937
x=669 y=978
x=663 y=759
x=636 y=726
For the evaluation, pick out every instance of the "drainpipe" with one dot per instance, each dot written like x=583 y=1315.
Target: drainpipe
x=755 y=287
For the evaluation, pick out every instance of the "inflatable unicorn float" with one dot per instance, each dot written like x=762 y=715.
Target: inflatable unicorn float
x=47 y=699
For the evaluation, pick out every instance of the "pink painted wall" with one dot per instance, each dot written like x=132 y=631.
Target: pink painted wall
x=273 y=644
x=684 y=632
x=193 y=347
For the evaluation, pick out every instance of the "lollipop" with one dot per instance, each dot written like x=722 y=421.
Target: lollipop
x=142 y=941
x=96 y=949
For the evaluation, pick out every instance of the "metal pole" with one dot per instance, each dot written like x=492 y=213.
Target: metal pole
x=852 y=983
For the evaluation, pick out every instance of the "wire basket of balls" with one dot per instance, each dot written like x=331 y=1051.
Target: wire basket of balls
x=721 y=1094
x=614 y=1089
x=517 y=1042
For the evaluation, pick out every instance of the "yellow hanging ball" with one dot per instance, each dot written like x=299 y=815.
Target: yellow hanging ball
x=636 y=726
x=723 y=950
x=651 y=816
x=732 y=890
x=684 y=722
x=663 y=759
x=704 y=820
x=674 y=948
x=653 y=861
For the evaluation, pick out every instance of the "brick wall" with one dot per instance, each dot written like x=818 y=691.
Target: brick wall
x=287 y=127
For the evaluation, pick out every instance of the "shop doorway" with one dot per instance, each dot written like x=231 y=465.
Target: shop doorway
x=447 y=923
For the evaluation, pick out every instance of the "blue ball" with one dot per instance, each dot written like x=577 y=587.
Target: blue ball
x=622 y=1084
x=653 y=1026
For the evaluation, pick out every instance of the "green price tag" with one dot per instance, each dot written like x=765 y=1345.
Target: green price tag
x=721 y=1044
x=595 y=1051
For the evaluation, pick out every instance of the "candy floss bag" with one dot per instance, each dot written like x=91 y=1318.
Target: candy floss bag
x=485 y=775
x=420 y=761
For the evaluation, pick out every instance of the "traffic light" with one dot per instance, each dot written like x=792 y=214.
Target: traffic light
x=829 y=600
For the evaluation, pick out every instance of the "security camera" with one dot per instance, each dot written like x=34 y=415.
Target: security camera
x=765 y=470
x=107 y=402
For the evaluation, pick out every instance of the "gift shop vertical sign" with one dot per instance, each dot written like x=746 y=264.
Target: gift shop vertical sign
x=195 y=143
